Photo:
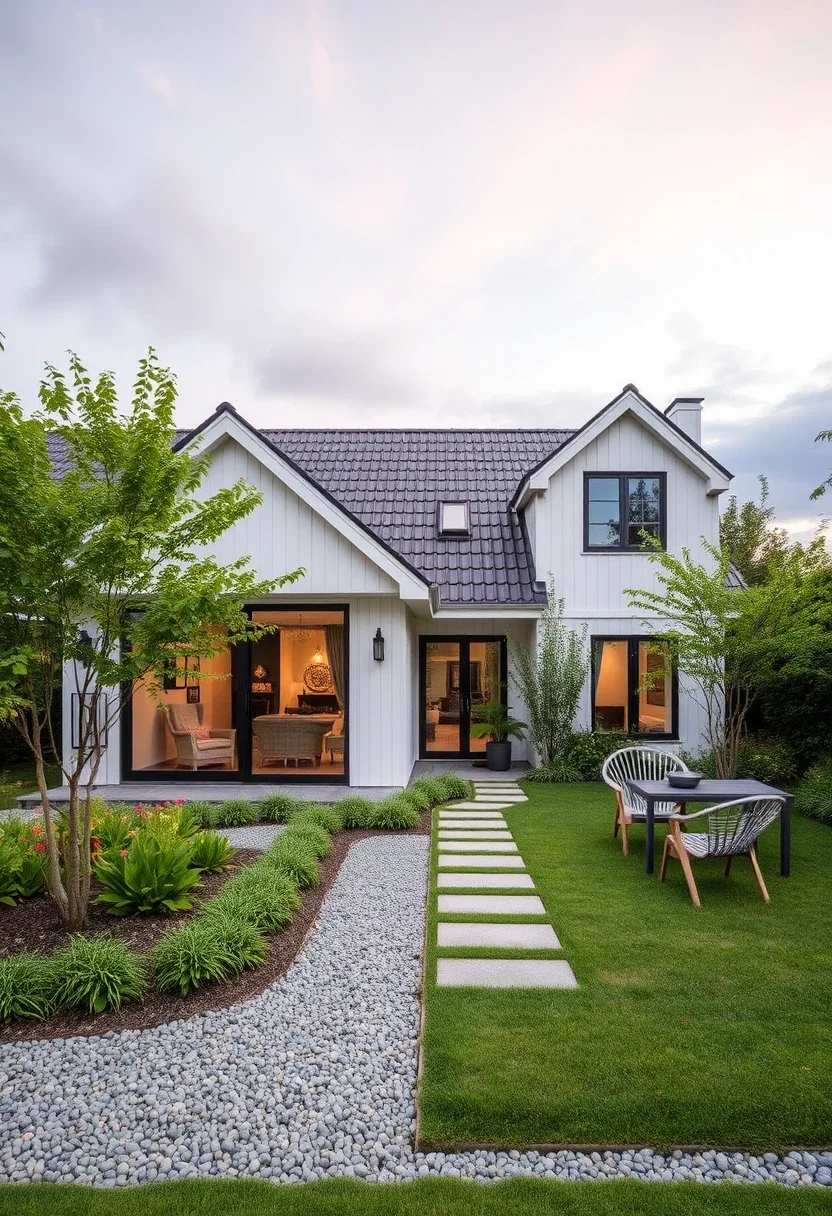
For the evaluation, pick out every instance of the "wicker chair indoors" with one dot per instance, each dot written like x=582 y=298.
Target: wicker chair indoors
x=731 y=830
x=193 y=752
x=634 y=763
x=291 y=738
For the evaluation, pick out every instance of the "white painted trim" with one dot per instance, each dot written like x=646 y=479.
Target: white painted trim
x=228 y=426
x=628 y=403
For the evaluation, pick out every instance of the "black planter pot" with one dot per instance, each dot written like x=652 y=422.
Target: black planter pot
x=498 y=756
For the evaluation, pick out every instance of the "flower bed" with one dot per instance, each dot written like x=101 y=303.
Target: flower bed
x=147 y=862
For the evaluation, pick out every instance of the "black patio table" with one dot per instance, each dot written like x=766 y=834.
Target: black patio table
x=712 y=791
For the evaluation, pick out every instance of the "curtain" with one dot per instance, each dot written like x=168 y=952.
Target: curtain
x=337 y=662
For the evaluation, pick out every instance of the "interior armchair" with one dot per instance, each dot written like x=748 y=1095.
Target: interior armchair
x=196 y=745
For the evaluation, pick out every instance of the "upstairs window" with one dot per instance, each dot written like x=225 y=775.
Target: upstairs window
x=619 y=507
x=453 y=519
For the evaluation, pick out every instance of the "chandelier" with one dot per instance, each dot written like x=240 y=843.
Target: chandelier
x=297 y=633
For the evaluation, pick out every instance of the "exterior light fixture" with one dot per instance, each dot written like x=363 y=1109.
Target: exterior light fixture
x=378 y=646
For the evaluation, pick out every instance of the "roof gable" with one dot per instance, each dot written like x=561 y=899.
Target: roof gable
x=629 y=401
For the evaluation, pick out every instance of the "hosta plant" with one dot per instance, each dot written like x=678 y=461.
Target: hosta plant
x=28 y=986
x=147 y=877
x=210 y=852
x=22 y=858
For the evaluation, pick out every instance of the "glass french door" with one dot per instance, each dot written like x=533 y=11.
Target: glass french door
x=457 y=676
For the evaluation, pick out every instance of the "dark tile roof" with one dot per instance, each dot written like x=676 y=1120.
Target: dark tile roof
x=392 y=480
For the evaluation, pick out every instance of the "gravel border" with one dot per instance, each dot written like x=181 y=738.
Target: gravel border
x=314 y=1077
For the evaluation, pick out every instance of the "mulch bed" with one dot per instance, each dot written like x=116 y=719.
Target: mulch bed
x=32 y=926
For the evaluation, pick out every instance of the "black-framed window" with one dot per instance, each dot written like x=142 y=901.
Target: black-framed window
x=634 y=687
x=620 y=507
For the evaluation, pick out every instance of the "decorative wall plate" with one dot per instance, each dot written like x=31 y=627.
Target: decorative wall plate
x=318 y=677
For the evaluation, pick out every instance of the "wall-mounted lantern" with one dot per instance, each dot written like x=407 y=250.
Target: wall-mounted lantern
x=378 y=646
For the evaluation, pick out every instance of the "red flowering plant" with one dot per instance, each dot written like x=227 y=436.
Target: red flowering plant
x=22 y=860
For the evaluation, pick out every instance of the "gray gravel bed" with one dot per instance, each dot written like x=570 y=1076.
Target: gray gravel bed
x=312 y=1078
x=257 y=836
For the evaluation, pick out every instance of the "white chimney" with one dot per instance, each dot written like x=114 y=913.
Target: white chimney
x=686 y=412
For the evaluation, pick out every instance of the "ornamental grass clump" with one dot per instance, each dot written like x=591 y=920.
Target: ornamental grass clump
x=277 y=808
x=453 y=787
x=317 y=838
x=28 y=987
x=261 y=895
x=394 y=812
x=236 y=813
x=210 y=852
x=204 y=814
x=150 y=876
x=354 y=811
x=292 y=855
x=209 y=949
x=418 y=798
x=98 y=973
x=327 y=817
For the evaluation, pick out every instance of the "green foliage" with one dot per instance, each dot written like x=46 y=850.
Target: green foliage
x=551 y=679
x=236 y=813
x=261 y=895
x=28 y=984
x=148 y=877
x=21 y=860
x=277 y=808
x=768 y=760
x=451 y=787
x=493 y=721
x=354 y=811
x=753 y=542
x=394 y=812
x=98 y=973
x=293 y=855
x=119 y=529
x=204 y=814
x=588 y=750
x=436 y=789
x=316 y=837
x=418 y=798
x=562 y=768
x=208 y=949
x=325 y=816
x=210 y=852
x=111 y=828
x=813 y=796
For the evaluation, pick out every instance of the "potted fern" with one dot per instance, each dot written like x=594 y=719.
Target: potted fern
x=494 y=723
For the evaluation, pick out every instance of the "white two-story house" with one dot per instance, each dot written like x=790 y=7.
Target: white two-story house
x=427 y=554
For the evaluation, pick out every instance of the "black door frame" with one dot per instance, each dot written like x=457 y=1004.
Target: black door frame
x=241 y=722
x=464 y=641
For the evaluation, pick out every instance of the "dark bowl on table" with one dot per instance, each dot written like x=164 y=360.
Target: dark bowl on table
x=684 y=781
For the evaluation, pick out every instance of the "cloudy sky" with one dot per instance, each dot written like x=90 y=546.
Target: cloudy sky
x=456 y=212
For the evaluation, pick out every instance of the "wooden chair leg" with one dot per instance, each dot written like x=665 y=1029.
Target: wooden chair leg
x=665 y=858
x=728 y=867
x=618 y=814
x=625 y=838
x=758 y=874
x=684 y=861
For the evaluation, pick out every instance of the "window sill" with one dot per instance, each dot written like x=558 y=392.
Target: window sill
x=618 y=552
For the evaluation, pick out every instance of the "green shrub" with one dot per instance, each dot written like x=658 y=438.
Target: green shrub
x=210 y=853
x=588 y=749
x=22 y=860
x=204 y=814
x=559 y=769
x=315 y=836
x=327 y=817
x=260 y=895
x=112 y=828
x=766 y=760
x=236 y=813
x=277 y=808
x=394 y=812
x=293 y=855
x=98 y=973
x=418 y=798
x=210 y=948
x=453 y=787
x=148 y=877
x=434 y=787
x=354 y=810
x=28 y=984
x=813 y=796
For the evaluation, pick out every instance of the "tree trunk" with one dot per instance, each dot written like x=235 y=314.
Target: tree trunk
x=53 y=872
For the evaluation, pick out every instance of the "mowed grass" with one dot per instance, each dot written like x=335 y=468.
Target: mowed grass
x=430 y=1197
x=19 y=778
x=707 y=1027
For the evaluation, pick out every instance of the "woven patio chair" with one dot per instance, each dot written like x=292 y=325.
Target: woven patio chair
x=191 y=752
x=638 y=763
x=732 y=830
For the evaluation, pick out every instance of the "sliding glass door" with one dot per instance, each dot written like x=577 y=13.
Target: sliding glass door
x=457 y=676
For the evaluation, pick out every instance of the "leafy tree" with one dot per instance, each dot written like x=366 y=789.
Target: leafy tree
x=754 y=543
x=550 y=679
x=105 y=565
x=725 y=641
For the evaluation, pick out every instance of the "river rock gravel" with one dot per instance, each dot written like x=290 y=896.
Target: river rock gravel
x=312 y=1078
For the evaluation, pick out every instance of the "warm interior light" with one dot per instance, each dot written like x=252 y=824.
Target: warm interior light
x=317 y=657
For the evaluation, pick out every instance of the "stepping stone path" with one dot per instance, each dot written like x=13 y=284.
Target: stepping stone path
x=474 y=836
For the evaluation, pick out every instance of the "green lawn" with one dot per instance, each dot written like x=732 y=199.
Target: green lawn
x=689 y=1027
x=431 y=1197
x=19 y=778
